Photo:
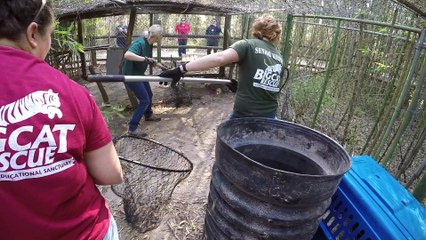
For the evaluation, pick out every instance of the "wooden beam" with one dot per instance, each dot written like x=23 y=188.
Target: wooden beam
x=418 y=6
x=130 y=28
x=226 y=38
x=82 y=56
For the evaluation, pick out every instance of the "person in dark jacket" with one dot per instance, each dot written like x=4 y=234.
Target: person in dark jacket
x=121 y=35
x=213 y=40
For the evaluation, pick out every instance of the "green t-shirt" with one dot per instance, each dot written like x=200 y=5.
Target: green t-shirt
x=141 y=47
x=260 y=78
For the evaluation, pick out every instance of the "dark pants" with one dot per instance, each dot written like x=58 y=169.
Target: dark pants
x=209 y=50
x=121 y=42
x=212 y=42
x=143 y=93
x=182 y=50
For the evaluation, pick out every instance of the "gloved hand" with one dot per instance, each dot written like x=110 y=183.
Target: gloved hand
x=150 y=61
x=233 y=86
x=176 y=74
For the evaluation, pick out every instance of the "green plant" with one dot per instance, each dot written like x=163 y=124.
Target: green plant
x=63 y=40
x=110 y=111
x=64 y=49
x=365 y=51
x=306 y=93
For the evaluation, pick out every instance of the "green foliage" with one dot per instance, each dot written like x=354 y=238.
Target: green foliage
x=365 y=51
x=64 y=48
x=352 y=140
x=382 y=30
x=380 y=67
x=110 y=111
x=362 y=14
x=63 y=40
x=305 y=95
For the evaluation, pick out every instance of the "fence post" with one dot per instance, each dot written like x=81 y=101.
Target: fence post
x=226 y=38
x=82 y=54
x=286 y=47
x=330 y=66
x=402 y=98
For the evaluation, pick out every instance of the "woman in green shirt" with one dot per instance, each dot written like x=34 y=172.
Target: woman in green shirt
x=261 y=64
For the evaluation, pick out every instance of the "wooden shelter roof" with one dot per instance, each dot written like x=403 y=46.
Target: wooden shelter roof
x=69 y=9
x=418 y=6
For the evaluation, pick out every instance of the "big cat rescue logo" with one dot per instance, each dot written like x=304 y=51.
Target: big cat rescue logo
x=22 y=157
x=268 y=78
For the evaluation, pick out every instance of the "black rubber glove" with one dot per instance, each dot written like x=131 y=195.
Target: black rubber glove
x=176 y=74
x=233 y=86
x=150 y=61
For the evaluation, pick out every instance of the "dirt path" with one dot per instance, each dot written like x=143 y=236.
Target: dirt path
x=190 y=129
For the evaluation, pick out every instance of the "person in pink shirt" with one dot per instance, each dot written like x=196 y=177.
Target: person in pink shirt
x=54 y=143
x=182 y=28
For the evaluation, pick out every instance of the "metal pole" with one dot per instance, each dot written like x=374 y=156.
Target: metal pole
x=403 y=96
x=329 y=70
x=135 y=78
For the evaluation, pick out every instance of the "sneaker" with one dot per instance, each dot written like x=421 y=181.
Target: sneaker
x=138 y=132
x=152 y=119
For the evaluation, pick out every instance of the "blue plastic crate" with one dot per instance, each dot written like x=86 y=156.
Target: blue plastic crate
x=371 y=204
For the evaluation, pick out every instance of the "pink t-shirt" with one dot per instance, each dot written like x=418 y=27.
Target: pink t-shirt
x=182 y=29
x=47 y=122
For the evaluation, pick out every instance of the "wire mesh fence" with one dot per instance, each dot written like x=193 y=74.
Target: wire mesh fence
x=151 y=173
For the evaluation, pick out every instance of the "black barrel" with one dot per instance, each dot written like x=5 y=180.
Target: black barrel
x=272 y=179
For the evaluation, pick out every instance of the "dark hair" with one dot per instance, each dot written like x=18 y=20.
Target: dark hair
x=15 y=16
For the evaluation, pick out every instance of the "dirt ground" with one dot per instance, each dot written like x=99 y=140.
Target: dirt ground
x=189 y=129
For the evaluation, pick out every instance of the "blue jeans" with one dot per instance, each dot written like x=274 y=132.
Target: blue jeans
x=112 y=233
x=143 y=93
x=182 y=50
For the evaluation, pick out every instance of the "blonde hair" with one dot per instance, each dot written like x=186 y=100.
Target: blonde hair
x=155 y=30
x=267 y=27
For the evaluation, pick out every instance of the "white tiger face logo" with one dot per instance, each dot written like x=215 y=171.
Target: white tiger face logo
x=45 y=102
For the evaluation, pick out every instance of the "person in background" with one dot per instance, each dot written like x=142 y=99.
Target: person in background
x=182 y=28
x=261 y=76
x=121 y=35
x=54 y=143
x=213 y=31
x=137 y=59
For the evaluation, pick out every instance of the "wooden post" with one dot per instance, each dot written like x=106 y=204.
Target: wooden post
x=130 y=28
x=151 y=21
x=329 y=71
x=80 y=40
x=226 y=38
x=100 y=86
x=156 y=20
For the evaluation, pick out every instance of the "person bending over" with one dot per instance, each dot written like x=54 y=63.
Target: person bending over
x=137 y=59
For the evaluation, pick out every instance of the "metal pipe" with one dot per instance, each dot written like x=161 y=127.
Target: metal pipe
x=134 y=78
x=330 y=66
x=411 y=29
